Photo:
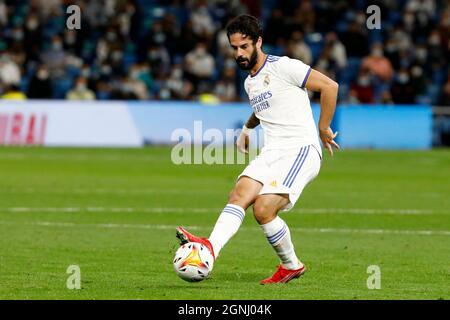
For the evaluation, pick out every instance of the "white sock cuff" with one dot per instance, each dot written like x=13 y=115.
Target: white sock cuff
x=234 y=210
x=275 y=230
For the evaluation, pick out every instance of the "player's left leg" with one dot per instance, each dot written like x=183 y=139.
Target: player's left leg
x=265 y=210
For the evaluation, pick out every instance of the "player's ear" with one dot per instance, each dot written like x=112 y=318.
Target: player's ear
x=259 y=43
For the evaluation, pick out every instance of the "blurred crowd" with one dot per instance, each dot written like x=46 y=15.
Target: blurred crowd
x=178 y=50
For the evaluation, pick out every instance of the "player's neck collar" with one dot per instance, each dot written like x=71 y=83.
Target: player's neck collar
x=265 y=60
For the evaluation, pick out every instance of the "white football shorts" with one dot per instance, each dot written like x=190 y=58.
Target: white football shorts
x=285 y=171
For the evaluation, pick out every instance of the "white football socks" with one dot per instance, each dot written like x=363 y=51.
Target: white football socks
x=226 y=226
x=279 y=236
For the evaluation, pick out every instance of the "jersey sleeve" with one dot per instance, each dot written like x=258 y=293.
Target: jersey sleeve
x=294 y=71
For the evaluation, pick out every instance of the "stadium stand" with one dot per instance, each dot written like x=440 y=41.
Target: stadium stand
x=178 y=50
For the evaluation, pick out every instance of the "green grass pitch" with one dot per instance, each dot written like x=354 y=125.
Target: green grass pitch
x=113 y=213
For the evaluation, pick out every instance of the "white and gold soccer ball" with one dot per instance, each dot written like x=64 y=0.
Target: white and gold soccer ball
x=193 y=262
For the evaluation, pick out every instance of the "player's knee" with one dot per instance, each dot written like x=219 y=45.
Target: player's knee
x=238 y=197
x=263 y=211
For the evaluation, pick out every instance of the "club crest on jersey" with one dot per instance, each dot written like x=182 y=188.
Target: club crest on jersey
x=266 y=81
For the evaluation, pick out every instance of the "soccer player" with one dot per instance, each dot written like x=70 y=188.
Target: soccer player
x=291 y=156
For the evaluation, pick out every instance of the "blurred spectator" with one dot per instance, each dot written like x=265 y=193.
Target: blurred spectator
x=444 y=99
x=32 y=37
x=420 y=55
x=363 y=90
x=202 y=22
x=298 y=49
x=159 y=59
x=55 y=58
x=386 y=98
x=426 y=7
x=304 y=18
x=326 y=63
x=418 y=80
x=130 y=49
x=80 y=91
x=391 y=49
x=355 y=40
x=225 y=88
x=179 y=88
x=135 y=84
x=223 y=45
x=9 y=71
x=435 y=48
x=199 y=64
x=187 y=40
x=144 y=74
x=337 y=50
x=3 y=13
x=275 y=24
x=378 y=64
x=40 y=86
x=402 y=89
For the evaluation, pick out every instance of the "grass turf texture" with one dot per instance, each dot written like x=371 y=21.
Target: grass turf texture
x=113 y=213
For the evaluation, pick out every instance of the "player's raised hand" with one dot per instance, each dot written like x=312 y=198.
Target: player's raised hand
x=243 y=141
x=327 y=136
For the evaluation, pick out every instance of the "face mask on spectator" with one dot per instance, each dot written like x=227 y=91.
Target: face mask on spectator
x=116 y=55
x=134 y=74
x=177 y=73
x=17 y=35
x=200 y=51
x=377 y=52
x=408 y=19
x=152 y=54
x=159 y=38
x=421 y=54
x=164 y=94
x=81 y=86
x=57 y=45
x=364 y=81
x=70 y=38
x=434 y=40
x=106 y=70
x=417 y=71
x=42 y=74
x=32 y=24
x=403 y=78
x=111 y=36
x=391 y=47
x=86 y=73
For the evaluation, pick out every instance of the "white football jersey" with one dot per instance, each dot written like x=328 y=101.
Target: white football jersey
x=280 y=101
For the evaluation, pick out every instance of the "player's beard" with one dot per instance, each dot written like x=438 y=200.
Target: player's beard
x=245 y=63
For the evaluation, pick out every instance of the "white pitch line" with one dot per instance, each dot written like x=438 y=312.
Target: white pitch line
x=365 y=211
x=162 y=191
x=293 y=229
x=362 y=211
x=100 y=191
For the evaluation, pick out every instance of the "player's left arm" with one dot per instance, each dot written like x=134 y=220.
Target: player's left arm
x=328 y=89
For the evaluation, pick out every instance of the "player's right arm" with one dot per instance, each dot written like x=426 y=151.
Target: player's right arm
x=243 y=140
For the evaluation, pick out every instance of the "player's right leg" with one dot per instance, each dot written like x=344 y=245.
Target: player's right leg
x=241 y=197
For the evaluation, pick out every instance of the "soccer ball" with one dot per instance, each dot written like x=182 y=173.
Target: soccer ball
x=193 y=262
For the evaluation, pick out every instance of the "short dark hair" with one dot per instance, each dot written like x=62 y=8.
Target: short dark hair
x=247 y=25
